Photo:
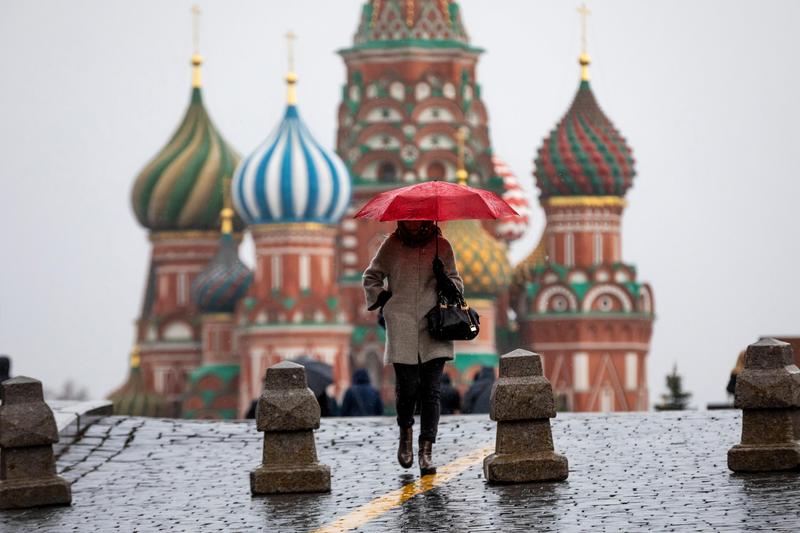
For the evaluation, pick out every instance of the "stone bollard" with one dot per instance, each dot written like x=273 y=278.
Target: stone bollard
x=522 y=406
x=288 y=414
x=27 y=434
x=768 y=392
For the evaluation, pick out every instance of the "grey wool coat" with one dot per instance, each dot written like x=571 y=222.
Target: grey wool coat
x=409 y=273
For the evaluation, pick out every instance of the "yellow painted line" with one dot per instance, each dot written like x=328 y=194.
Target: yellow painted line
x=389 y=501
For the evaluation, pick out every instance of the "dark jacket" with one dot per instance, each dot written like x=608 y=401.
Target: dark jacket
x=478 y=397
x=5 y=368
x=450 y=399
x=362 y=399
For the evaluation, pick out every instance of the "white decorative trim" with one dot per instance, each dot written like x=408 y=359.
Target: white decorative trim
x=173 y=350
x=295 y=238
x=172 y=269
x=265 y=250
x=304 y=268
x=182 y=256
x=631 y=371
x=607 y=400
x=590 y=345
x=414 y=53
x=544 y=298
x=580 y=372
x=584 y=217
x=275 y=268
x=582 y=228
x=569 y=249
x=299 y=328
x=177 y=330
x=647 y=300
x=350 y=258
x=595 y=292
x=598 y=248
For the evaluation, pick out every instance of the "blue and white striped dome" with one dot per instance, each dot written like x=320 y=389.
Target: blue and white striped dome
x=291 y=178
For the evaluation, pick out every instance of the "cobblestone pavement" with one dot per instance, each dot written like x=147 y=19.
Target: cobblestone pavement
x=651 y=471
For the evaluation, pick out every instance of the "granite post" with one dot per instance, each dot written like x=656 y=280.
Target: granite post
x=522 y=405
x=288 y=414
x=768 y=392
x=27 y=434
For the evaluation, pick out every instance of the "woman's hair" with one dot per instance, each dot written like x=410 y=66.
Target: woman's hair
x=417 y=238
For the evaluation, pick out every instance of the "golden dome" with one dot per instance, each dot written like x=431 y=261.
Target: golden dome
x=481 y=259
x=523 y=272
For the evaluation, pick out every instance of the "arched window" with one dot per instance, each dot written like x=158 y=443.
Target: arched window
x=387 y=172
x=436 y=171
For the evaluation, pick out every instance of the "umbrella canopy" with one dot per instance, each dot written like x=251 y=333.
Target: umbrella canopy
x=435 y=200
x=318 y=374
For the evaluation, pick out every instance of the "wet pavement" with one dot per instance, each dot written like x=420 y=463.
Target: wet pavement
x=648 y=471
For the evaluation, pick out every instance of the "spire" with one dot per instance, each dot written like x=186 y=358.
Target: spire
x=197 y=59
x=135 y=356
x=291 y=76
x=461 y=172
x=227 y=209
x=584 y=60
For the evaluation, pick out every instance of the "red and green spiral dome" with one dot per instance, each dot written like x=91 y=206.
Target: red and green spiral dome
x=584 y=155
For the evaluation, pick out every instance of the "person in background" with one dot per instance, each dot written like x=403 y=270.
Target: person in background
x=731 y=388
x=5 y=368
x=362 y=399
x=478 y=397
x=450 y=398
x=327 y=404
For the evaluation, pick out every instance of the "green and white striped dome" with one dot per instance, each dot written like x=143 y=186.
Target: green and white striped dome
x=181 y=188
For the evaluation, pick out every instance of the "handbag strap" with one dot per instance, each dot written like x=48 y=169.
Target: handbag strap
x=441 y=300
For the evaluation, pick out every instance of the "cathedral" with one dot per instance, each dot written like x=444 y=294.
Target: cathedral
x=209 y=326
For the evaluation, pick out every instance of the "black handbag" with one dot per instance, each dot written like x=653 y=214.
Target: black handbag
x=451 y=319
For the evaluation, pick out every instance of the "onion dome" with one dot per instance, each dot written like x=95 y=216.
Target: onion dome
x=584 y=155
x=511 y=228
x=291 y=177
x=395 y=22
x=524 y=271
x=133 y=398
x=225 y=279
x=181 y=188
x=480 y=258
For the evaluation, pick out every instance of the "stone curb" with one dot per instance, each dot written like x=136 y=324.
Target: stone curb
x=72 y=418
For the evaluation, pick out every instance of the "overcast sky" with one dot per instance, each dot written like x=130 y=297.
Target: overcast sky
x=705 y=92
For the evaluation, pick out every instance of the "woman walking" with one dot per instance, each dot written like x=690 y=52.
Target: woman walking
x=406 y=261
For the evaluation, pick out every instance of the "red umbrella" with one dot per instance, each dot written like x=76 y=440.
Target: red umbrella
x=435 y=200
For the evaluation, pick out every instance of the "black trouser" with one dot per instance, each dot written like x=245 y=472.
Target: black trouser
x=419 y=383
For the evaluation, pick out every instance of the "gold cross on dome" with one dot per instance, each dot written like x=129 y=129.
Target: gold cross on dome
x=196 y=28
x=290 y=38
x=584 y=12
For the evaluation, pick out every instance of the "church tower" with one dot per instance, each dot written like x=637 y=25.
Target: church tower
x=292 y=192
x=213 y=388
x=578 y=303
x=178 y=197
x=411 y=86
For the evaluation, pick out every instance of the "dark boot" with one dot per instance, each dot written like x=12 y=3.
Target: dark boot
x=425 y=461
x=405 y=451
